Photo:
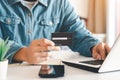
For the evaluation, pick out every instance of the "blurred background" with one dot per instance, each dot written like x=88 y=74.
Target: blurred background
x=101 y=17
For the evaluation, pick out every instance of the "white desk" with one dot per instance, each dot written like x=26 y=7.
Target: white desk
x=25 y=72
x=28 y=72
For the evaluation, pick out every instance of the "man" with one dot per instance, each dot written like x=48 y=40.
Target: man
x=29 y=24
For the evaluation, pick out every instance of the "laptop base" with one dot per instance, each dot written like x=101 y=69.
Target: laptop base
x=82 y=67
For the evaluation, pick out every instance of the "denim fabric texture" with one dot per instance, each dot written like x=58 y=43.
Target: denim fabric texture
x=22 y=25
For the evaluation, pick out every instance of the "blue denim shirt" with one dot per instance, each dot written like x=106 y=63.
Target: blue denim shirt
x=22 y=25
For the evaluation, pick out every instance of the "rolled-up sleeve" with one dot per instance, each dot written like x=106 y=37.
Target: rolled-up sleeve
x=12 y=51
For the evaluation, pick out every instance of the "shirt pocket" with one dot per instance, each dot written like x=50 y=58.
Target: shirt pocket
x=8 y=25
x=49 y=22
x=48 y=26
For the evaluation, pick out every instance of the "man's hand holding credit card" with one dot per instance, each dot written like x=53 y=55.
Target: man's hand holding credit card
x=60 y=39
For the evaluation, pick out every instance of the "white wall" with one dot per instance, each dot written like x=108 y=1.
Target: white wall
x=81 y=7
x=111 y=21
x=118 y=17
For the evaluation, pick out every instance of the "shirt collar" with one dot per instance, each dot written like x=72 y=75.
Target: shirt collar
x=43 y=2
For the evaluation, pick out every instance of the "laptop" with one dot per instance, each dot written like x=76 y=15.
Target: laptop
x=110 y=64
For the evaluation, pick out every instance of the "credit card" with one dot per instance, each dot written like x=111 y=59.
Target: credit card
x=62 y=38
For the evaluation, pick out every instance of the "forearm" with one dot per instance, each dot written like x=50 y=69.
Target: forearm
x=20 y=55
x=12 y=51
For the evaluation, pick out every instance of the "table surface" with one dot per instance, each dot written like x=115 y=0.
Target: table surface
x=30 y=72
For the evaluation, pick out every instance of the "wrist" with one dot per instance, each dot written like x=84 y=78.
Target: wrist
x=20 y=55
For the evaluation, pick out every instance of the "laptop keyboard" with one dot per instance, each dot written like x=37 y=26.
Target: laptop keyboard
x=93 y=62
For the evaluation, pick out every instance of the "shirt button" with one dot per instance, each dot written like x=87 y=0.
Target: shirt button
x=8 y=20
x=29 y=31
x=29 y=14
x=50 y=23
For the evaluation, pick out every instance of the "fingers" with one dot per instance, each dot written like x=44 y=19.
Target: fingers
x=45 y=48
x=43 y=42
x=33 y=57
x=100 y=51
x=43 y=45
x=46 y=42
x=41 y=54
x=104 y=50
x=56 y=48
x=95 y=54
x=36 y=60
x=41 y=59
